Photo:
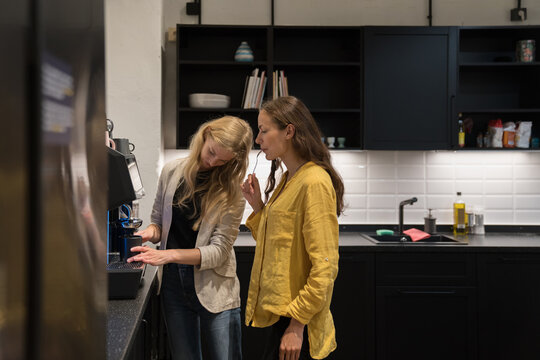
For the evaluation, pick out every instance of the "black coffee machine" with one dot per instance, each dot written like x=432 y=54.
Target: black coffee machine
x=125 y=187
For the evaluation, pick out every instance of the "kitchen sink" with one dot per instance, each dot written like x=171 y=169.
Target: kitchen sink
x=406 y=240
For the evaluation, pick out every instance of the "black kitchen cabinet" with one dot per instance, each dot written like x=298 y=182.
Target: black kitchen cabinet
x=509 y=311
x=492 y=84
x=252 y=338
x=425 y=306
x=352 y=306
x=409 y=87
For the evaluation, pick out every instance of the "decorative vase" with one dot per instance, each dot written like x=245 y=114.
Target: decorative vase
x=243 y=53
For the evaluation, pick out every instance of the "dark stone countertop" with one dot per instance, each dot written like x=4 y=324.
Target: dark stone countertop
x=124 y=317
x=490 y=242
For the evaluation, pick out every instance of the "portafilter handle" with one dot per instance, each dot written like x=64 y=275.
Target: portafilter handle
x=131 y=223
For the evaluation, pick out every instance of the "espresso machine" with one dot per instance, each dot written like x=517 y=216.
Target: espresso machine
x=125 y=188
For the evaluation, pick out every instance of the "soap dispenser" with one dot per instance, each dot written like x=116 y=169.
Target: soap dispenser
x=430 y=223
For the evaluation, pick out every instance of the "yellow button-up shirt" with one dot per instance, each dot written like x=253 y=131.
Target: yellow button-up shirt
x=296 y=257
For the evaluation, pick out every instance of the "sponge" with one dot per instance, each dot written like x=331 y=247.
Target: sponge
x=385 y=232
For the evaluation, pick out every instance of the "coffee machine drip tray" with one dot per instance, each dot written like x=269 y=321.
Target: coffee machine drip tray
x=124 y=278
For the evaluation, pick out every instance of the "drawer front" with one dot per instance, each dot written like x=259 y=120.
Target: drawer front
x=425 y=269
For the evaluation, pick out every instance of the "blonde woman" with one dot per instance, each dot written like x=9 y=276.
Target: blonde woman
x=296 y=229
x=196 y=216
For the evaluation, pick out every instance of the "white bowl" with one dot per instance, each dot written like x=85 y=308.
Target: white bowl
x=209 y=101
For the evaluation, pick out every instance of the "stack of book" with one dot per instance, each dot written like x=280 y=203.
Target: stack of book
x=280 y=85
x=254 y=89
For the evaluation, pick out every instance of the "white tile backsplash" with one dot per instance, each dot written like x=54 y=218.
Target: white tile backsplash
x=495 y=172
x=498 y=202
x=355 y=186
x=355 y=201
x=412 y=187
x=437 y=172
x=411 y=158
x=470 y=187
x=505 y=184
x=440 y=187
x=468 y=172
x=381 y=202
x=382 y=186
x=410 y=172
x=529 y=202
x=529 y=217
x=498 y=187
x=527 y=172
x=381 y=171
x=527 y=187
x=381 y=158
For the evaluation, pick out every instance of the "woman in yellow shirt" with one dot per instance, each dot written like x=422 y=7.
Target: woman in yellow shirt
x=296 y=230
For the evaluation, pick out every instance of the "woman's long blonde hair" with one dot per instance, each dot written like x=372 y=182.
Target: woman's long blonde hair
x=222 y=189
x=306 y=141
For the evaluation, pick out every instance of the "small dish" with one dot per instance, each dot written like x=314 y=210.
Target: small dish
x=209 y=101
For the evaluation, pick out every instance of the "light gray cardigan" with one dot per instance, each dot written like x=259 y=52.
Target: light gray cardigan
x=216 y=283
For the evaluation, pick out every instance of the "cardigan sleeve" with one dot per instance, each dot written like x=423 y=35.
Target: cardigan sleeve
x=320 y=232
x=220 y=247
x=156 y=217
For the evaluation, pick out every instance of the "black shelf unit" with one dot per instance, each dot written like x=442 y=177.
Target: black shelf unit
x=322 y=64
x=491 y=83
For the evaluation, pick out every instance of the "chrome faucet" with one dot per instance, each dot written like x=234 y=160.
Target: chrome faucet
x=401 y=205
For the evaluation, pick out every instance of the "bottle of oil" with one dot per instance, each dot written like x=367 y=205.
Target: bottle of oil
x=460 y=217
x=461 y=132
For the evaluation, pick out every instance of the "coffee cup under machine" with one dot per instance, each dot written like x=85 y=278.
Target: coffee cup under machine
x=125 y=187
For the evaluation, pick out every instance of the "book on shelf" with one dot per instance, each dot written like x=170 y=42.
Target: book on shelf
x=280 y=85
x=249 y=91
x=260 y=88
x=254 y=89
x=245 y=92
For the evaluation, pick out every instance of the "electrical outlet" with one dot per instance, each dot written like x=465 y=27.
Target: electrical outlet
x=171 y=34
x=518 y=14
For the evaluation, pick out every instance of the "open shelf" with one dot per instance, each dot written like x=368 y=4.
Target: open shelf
x=322 y=65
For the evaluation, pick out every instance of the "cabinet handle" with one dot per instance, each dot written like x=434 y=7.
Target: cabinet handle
x=431 y=292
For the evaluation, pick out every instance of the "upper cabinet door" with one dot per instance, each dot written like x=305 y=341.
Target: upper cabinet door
x=409 y=82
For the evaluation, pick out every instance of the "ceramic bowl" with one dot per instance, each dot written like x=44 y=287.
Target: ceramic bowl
x=209 y=101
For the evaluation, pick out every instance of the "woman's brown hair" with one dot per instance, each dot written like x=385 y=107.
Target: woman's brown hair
x=306 y=141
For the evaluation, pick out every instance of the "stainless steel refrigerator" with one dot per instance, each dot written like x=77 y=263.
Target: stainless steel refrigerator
x=53 y=178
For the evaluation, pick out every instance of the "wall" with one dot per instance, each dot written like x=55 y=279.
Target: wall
x=351 y=12
x=133 y=84
x=375 y=180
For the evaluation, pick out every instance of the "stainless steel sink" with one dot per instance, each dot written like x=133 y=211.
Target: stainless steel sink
x=406 y=240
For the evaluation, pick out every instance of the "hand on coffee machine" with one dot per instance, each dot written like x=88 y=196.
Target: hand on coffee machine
x=152 y=233
x=149 y=255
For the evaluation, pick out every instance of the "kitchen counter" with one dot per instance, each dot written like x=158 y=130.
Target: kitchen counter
x=486 y=243
x=124 y=317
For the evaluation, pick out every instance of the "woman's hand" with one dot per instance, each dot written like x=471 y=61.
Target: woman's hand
x=152 y=233
x=252 y=192
x=151 y=256
x=291 y=341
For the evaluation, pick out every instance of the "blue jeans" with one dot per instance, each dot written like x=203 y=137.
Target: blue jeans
x=188 y=322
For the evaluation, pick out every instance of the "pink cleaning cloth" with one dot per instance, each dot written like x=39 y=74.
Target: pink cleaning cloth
x=416 y=234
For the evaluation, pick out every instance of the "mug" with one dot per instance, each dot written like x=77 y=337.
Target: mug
x=126 y=243
x=330 y=140
x=124 y=146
